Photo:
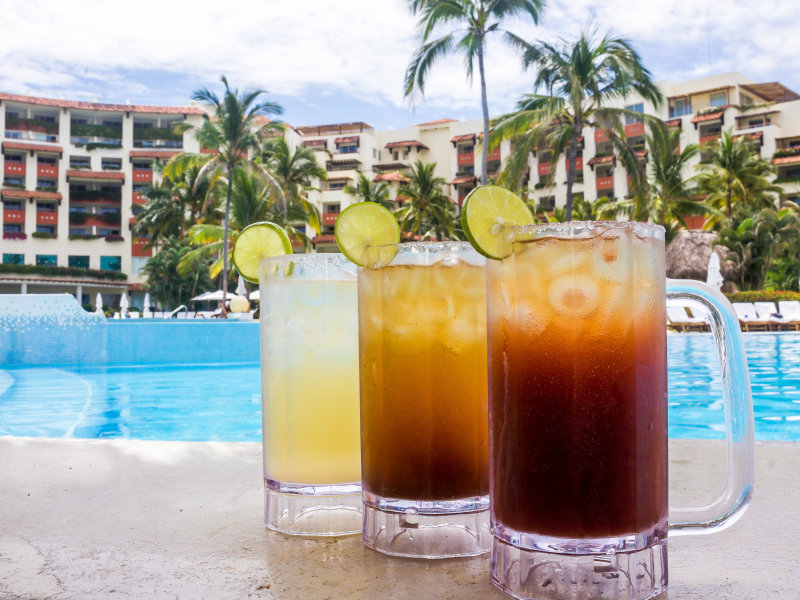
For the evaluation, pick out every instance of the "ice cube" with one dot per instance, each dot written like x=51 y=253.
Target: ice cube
x=611 y=259
x=574 y=296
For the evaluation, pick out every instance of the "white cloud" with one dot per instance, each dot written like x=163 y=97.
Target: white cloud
x=312 y=48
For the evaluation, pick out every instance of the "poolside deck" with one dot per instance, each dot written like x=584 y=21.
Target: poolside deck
x=134 y=519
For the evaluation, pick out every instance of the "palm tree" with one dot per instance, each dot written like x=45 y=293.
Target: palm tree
x=426 y=211
x=478 y=19
x=163 y=216
x=578 y=79
x=736 y=174
x=294 y=172
x=366 y=190
x=165 y=283
x=233 y=132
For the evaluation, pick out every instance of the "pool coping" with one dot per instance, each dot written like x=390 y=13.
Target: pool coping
x=144 y=519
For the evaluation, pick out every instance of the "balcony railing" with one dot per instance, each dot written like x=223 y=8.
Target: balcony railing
x=634 y=130
x=34 y=125
x=329 y=218
x=47 y=171
x=543 y=169
x=600 y=135
x=494 y=155
x=46 y=218
x=465 y=158
x=138 y=198
x=142 y=176
x=705 y=139
x=14 y=168
x=139 y=247
x=94 y=196
x=605 y=183
x=13 y=216
x=578 y=163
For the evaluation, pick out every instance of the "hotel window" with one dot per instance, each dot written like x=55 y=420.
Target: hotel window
x=336 y=185
x=77 y=231
x=349 y=149
x=47 y=118
x=46 y=207
x=79 y=162
x=679 y=107
x=45 y=229
x=639 y=108
x=718 y=99
x=13 y=180
x=547 y=202
x=138 y=263
x=13 y=259
x=12 y=228
x=12 y=205
x=43 y=160
x=80 y=262
x=111 y=263
x=46 y=183
x=333 y=208
x=47 y=260
x=14 y=158
x=113 y=164
x=745 y=99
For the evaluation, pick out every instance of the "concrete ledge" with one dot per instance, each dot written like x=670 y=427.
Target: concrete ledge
x=136 y=519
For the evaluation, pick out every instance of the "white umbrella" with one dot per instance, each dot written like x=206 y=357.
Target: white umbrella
x=146 y=305
x=98 y=304
x=714 y=277
x=123 y=304
x=241 y=290
x=255 y=295
x=208 y=296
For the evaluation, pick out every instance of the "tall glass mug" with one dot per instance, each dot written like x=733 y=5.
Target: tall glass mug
x=578 y=412
x=424 y=412
x=309 y=382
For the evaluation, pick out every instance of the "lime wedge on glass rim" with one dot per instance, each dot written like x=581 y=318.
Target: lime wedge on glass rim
x=486 y=213
x=366 y=234
x=257 y=241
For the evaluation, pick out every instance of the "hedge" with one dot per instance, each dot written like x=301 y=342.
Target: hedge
x=83 y=236
x=103 y=131
x=156 y=133
x=63 y=271
x=762 y=296
x=15 y=123
x=43 y=235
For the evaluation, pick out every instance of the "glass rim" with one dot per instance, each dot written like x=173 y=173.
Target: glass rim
x=582 y=229
x=306 y=257
x=429 y=253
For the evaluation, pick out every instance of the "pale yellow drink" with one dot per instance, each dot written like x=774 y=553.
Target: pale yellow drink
x=310 y=377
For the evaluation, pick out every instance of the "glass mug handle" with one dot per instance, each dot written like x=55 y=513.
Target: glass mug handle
x=739 y=471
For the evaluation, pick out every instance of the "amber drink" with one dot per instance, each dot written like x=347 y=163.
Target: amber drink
x=578 y=412
x=424 y=413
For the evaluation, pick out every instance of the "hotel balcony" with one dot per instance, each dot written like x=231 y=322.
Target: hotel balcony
x=634 y=130
x=31 y=129
x=47 y=171
x=13 y=216
x=16 y=169
x=494 y=155
x=605 y=183
x=600 y=136
x=46 y=218
x=465 y=158
x=156 y=137
x=139 y=247
x=578 y=163
x=138 y=198
x=95 y=196
x=329 y=218
x=142 y=176
x=543 y=169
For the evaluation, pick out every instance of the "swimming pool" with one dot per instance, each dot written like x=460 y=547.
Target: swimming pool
x=221 y=401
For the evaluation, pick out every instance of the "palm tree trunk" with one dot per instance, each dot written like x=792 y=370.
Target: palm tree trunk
x=225 y=241
x=485 y=107
x=572 y=153
x=728 y=201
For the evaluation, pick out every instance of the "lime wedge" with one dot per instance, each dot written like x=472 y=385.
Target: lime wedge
x=257 y=241
x=366 y=233
x=485 y=214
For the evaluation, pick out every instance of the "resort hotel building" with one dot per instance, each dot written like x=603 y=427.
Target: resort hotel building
x=73 y=171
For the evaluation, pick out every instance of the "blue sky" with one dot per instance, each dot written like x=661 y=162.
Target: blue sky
x=328 y=62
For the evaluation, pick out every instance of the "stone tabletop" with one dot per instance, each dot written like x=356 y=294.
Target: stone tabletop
x=137 y=519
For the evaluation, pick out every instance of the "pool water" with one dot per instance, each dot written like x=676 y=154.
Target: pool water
x=198 y=402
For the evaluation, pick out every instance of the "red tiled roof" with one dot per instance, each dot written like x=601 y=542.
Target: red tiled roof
x=154 y=153
x=314 y=142
x=96 y=175
x=469 y=137
x=408 y=143
x=436 y=122
x=181 y=110
x=710 y=116
x=391 y=176
x=32 y=147
x=35 y=194
x=673 y=123
x=786 y=160
x=346 y=140
x=755 y=136
x=601 y=160
x=464 y=179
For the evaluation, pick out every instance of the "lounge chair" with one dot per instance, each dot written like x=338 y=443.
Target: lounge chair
x=159 y=314
x=190 y=314
x=767 y=311
x=790 y=309
x=679 y=318
x=749 y=319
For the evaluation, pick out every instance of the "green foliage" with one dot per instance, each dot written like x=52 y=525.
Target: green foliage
x=83 y=236
x=762 y=296
x=46 y=188
x=17 y=124
x=42 y=235
x=156 y=133
x=575 y=83
x=366 y=190
x=759 y=239
x=168 y=286
x=784 y=274
x=786 y=152
x=88 y=130
x=427 y=213
x=475 y=20
x=77 y=217
x=63 y=271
